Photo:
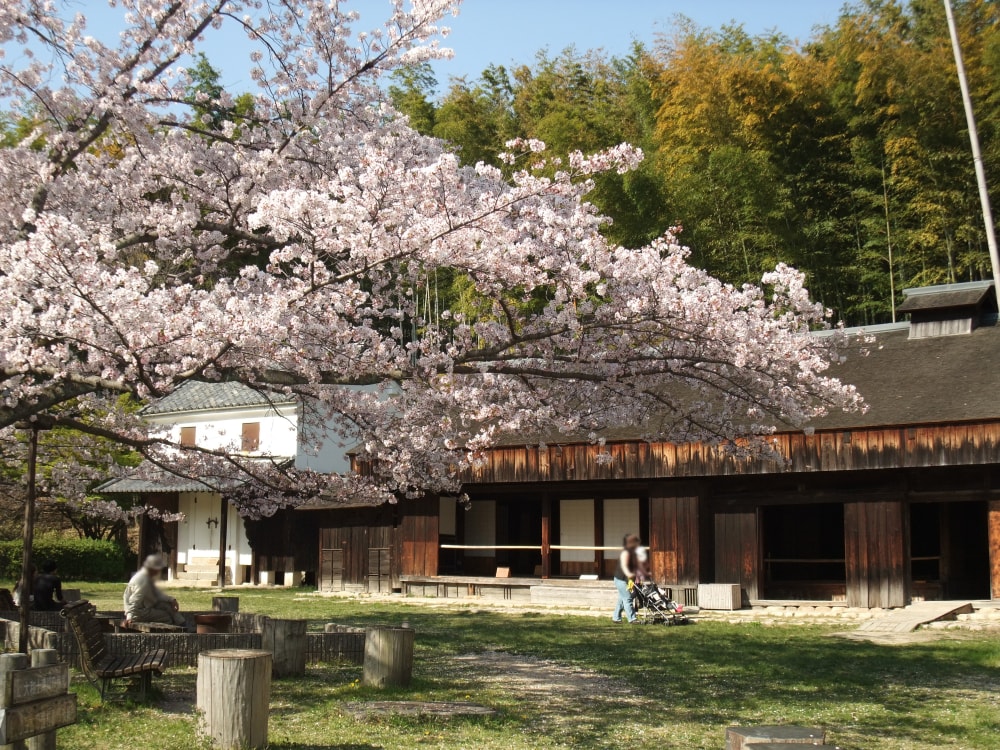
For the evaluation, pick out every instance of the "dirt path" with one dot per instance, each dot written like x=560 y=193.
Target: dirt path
x=561 y=697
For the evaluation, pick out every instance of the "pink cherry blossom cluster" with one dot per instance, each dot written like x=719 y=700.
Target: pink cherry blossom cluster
x=142 y=245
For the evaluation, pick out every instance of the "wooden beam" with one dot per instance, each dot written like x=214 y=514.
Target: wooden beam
x=994 y=537
x=546 y=537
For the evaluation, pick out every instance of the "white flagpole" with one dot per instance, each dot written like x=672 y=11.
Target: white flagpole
x=977 y=156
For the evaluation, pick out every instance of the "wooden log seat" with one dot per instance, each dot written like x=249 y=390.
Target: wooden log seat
x=114 y=675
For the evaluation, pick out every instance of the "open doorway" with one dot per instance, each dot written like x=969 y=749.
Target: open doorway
x=519 y=524
x=803 y=549
x=949 y=550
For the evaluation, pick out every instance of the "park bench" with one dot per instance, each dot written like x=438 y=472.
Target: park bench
x=104 y=670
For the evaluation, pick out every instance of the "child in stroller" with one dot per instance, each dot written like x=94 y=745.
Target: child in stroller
x=652 y=604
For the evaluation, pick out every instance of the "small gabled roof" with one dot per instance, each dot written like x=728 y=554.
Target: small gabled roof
x=196 y=395
x=970 y=294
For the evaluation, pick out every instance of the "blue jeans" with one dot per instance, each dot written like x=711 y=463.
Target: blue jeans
x=624 y=602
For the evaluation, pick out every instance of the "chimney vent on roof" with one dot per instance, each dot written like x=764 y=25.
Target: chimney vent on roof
x=949 y=309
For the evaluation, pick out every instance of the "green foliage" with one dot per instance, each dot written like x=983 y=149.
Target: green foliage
x=90 y=559
x=847 y=157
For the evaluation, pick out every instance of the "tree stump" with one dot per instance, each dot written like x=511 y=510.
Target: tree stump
x=233 y=696
x=286 y=639
x=388 y=657
x=225 y=604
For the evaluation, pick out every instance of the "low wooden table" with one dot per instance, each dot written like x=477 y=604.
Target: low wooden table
x=109 y=623
x=152 y=627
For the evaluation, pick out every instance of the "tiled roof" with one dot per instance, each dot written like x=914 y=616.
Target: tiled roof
x=196 y=395
x=922 y=381
x=148 y=479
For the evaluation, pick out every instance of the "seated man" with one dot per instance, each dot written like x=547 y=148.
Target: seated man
x=48 y=589
x=144 y=602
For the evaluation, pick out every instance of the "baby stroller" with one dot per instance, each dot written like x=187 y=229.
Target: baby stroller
x=652 y=605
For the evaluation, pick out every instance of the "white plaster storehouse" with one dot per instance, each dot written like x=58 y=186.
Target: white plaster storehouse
x=211 y=415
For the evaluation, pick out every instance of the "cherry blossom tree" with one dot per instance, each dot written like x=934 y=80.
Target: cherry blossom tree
x=145 y=241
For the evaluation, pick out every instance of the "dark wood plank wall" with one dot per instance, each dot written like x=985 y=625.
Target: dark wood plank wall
x=419 y=537
x=875 y=543
x=674 y=540
x=737 y=551
x=878 y=448
x=354 y=533
x=994 y=537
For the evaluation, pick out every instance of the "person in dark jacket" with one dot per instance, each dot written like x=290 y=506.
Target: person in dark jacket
x=48 y=589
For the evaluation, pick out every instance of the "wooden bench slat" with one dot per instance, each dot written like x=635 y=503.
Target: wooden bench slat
x=94 y=658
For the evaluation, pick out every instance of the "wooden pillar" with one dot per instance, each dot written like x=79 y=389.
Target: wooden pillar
x=994 y=537
x=223 y=539
x=599 y=535
x=141 y=542
x=233 y=697
x=546 y=537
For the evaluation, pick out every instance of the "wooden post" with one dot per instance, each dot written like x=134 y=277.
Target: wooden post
x=233 y=697
x=286 y=640
x=10 y=663
x=225 y=604
x=599 y=536
x=546 y=537
x=223 y=539
x=994 y=541
x=388 y=657
x=43 y=657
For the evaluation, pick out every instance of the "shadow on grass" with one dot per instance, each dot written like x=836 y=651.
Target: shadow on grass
x=716 y=675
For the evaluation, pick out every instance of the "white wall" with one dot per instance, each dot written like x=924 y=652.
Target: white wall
x=447 y=513
x=481 y=527
x=196 y=539
x=621 y=517
x=323 y=445
x=576 y=528
x=223 y=429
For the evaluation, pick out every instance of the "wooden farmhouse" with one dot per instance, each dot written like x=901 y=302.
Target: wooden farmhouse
x=871 y=510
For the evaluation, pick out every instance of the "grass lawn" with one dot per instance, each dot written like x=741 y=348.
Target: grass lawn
x=635 y=686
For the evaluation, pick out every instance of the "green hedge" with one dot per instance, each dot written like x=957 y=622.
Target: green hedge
x=78 y=559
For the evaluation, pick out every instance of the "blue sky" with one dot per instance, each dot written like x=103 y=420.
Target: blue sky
x=512 y=31
x=502 y=31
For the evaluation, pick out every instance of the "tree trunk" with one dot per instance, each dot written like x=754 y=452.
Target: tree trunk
x=286 y=639
x=388 y=657
x=233 y=695
x=26 y=584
